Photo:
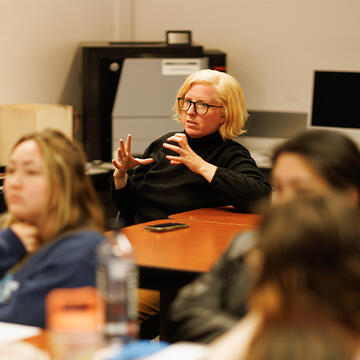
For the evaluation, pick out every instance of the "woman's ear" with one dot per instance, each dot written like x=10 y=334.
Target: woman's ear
x=354 y=196
x=222 y=118
x=254 y=261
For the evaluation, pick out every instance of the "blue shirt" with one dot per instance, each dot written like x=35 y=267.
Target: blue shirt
x=67 y=262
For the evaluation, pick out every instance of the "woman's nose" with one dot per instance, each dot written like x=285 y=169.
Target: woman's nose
x=282 y=196
x=14 y=179
x=191 y=109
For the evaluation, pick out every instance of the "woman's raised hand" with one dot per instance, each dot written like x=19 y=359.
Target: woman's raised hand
x=188 y=157
x=125 y=161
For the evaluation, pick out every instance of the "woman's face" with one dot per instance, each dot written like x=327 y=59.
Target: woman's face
x=26 y=186
x=293 y=176
x=197 y=126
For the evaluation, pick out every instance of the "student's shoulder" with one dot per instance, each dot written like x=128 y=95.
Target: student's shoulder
x=241 y=244
x=83 y=236
x=79 y=244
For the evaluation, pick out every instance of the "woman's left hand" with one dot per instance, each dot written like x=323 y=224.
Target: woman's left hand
x=188 y=157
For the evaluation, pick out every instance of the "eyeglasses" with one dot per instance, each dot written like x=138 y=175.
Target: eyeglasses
x=200 y=108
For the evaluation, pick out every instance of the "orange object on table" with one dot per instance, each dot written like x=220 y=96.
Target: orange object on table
x=74 y=318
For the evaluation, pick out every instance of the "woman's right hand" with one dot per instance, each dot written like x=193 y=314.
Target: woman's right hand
x=125 y=161
x=28 y=234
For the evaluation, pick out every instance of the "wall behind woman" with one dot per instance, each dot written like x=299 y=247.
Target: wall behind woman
x=40 y=60
x=273 y=46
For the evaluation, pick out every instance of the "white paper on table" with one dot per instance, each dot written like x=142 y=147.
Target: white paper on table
x=15 y=332
x=181 y=351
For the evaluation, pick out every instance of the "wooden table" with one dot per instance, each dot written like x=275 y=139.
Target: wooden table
x=222 y=215
x=171 y=259
x=167 y=261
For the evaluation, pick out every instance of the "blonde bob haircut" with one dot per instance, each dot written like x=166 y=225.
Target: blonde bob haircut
x=72 y=203
x=229 y=95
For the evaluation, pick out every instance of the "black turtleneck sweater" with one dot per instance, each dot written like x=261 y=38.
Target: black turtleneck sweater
x=160 y=189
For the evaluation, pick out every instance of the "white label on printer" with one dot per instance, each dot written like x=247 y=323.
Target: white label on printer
x=180 y=66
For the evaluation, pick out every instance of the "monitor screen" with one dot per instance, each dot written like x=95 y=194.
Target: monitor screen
x=336 y=102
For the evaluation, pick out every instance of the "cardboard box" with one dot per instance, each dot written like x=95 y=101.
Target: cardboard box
x=17 y=120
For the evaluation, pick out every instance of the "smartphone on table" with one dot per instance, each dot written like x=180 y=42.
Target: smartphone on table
x=166 y=226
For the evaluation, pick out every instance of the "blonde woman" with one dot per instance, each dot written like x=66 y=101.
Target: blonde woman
x=52 y=227
x=199 y=167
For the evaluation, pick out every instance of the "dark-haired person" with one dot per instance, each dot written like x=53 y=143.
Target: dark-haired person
x=52 y=226
x=314 y=162
x=306 y=270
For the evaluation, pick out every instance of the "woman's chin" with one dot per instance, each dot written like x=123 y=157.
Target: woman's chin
x=193 y=133
x=15 y=210
x=21 y=215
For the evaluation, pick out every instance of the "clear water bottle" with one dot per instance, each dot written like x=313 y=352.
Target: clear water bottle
x=117 y=282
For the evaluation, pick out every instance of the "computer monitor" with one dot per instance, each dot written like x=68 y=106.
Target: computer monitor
x=336 y=102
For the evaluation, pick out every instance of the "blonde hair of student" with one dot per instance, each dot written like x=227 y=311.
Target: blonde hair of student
x=72 y=202
x=229 y=95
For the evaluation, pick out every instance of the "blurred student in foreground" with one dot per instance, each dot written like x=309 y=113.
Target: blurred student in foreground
x=314 y=162
x=52 y=227
x=306 y=271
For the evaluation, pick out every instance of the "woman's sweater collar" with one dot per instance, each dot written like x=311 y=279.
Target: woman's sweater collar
x=213 y=139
